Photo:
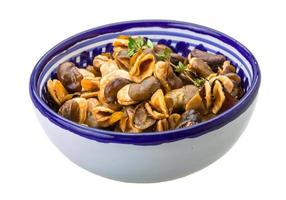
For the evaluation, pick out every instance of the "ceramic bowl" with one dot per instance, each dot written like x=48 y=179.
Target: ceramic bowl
x=153 y=156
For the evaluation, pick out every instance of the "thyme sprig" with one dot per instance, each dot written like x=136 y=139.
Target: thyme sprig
x=164 y=55
x=183 y=68
x=138 y=43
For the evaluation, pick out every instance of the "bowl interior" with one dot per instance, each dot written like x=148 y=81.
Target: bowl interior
x=180 y=41
x=181 y=37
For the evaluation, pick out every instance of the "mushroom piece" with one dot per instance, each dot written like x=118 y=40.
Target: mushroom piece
x=168 y=79
x=142 y=119
x=110 y=85
x=68 y=74
x=210 y=59
x=189 y=118
x=57 y=91
x=123 y=97
x=74 y=109
x=142 y=66
x=178 y=98
x=122 y=59
x=126 y=123
x=143 y=90
x=199 y=67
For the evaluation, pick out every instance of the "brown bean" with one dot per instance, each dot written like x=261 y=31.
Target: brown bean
x=209 y=58
x=173 y=80
x=142 y=120
x=144 y=90
x=189 y=118
x=167 y=77
x=177 y=99
x=160 y=48
x=199 y=67
x=70 y=110
x=111 y=88
x=122 y=59
x=70 y=77
x=176 y=58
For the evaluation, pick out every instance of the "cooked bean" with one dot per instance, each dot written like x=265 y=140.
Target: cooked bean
x=209 y=58
x=111 y=88
x=145 y=87
x=142 y=119
x=144 y=90
x=70 y=77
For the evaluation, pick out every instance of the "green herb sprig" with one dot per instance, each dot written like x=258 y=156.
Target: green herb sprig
x=164 y=55
x=149 y=44
x=180 y=68
x=138 y=43
x=198 y=81
x=183 y=68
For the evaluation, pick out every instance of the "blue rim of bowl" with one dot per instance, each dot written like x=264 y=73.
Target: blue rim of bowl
x=148 y=138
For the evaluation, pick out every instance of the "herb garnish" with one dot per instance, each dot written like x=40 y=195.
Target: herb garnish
x=135 y=44
x=183 y=68
x=149 y=44
x=164 y=55
x=198 y=81
x=180 y=67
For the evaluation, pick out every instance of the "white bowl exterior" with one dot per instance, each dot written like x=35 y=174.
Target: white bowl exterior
x=153 y=163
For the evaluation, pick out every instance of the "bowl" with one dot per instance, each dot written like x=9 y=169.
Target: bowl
x=152 y=156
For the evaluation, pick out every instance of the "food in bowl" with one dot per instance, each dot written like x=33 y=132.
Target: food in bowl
x=144 y=87
x=148 y=156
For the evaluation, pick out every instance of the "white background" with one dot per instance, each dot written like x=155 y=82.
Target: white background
x=32 y=168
